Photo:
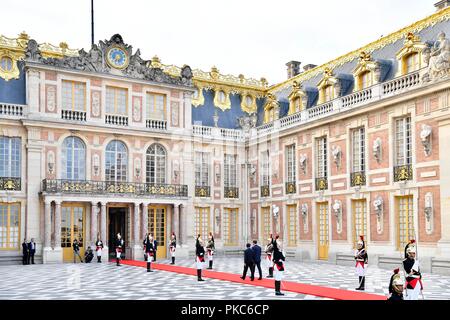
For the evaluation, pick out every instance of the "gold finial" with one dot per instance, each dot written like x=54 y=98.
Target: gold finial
x=214 y=73
x=264 y=82
x=328 y=72
x=23 y=35
x=295 y=85
x=156 y=62
x=63 y=45
x=241 y=78
x=23 y=39
x=364 y=56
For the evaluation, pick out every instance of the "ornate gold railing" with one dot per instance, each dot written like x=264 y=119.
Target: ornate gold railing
x=265 y=191
x=112 y=187
x=202 y=191
x=291 y=187
x=9 y=183
x=321 y=183
x=357 y=179
x=402 y=173
x=231 y=192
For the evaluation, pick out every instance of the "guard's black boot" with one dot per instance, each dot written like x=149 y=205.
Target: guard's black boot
x=149 y=267
x=360 y=284
x=173 y=260
x=277 y=288
x=199 y=275
x=270 y=273
x=210 y=265
x=117 y=261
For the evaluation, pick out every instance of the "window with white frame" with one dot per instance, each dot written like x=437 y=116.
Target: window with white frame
x=292 y=224
x=156 y=164
x=73 y=95
x=321 y=157
x=202 y=169
x=230 y=170
x=73 y=159
x=290 y=163
x=403 y=155
x=156 y=106
x=10 y=155
x=358 y=150
x=265 y=178
x=230 y=226
x=116 y=100
x=9 y=225
x=116 y=162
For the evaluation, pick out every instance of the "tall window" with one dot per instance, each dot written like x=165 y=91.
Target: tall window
x=230 y=227
x=202 y=222
x=411 y=63
x=10 y=157
x=405 y=226
x=269 y=115
x=230 y=170
x=73 y=95
x=202 y=169
x=292 y=225
x=116 y=100
x=290 y=163
x=358 y=150
x=116 y=161
x=265 y=223
x=360 y=220
x=156 y=164
x=365 y=80
x=328 y=93
x=321 y=157
x=156 y=106
x=403 y=154
x=265 y=178
x=73 y=159
x=9 y=226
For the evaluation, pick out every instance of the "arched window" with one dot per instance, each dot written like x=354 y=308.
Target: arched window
x=116 y=164
x=6 y=64
x=156 y=164
x=73 y=159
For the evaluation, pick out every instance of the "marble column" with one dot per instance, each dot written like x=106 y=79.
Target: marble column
x=183 y=227
x=144 y=219
x=176 y=217
x=103 y=223
x=94 y=227
x=57 y=224
x=137 y=248
x=47 y=224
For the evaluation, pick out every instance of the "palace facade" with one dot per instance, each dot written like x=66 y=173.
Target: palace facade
x=103 y=141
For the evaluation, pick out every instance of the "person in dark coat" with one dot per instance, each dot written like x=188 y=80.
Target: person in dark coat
x=24 y=252
x=249 y=262
x=31 y=251
x=149 y=251
x=199 y=256
x=76 y=251
x=119 y=244
x=155 y=247
x=257 y=250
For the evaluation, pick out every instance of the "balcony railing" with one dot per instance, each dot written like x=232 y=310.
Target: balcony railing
x=156 y=124
x=10 y=183
x=402 y=173
x=202 y=191
x=265 y=191
x=231 y=192
x=14 y=110
x=73 y=115
x=357 y=179
x=321 y=184
x=111 y=187
x=116 y=120
x=291 y=187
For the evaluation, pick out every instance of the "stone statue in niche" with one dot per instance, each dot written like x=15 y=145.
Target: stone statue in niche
x=51 y=98
x=425 y=138
x=137 y=168
x=176 y=171
x=175 y=111
x=337 y=154
x=96 y=164
x=376 y=149
x=217 y=220
x=51 y=162
x=96 y=103
x=303 y=163
x=136 y=109
x=438 y=59
x=217 y=173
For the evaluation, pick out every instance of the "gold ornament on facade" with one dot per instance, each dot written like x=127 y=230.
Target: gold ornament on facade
x=222 y=98
x=156 y=62
x=214 y=73
x=248 y=106
x=8 y=64
x=198 y=99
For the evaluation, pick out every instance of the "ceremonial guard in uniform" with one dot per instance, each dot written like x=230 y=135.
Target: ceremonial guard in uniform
x=99 y=249
x=149 y=251
x=210 y=250
x=200 y=257
x=173 y=246
x=412 y=273
x=119 y=248
x=269 y=253
x=278 y=265
x=396 y=286
x=361 y=261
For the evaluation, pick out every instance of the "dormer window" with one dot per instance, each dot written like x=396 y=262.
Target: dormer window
x=367 y=72
x=327 y=93
x=271 y=109
x=297 y=99
x=248 y=103
x=222 y=99
x=328 y=87
x=365 y=80
x=410 y=56
x=411 y=63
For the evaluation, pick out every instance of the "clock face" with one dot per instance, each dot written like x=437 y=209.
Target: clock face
x=117 y=58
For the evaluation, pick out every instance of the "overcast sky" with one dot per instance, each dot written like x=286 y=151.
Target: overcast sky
x=252 y=37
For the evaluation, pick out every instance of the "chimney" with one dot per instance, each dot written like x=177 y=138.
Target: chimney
x=442 y=4
x=293 y=68
x=309 y=66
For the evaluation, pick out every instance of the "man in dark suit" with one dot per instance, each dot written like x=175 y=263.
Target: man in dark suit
x=24 y=252
x=257 y=250
x=31 y=251
x=155 y=247
x=249 y=262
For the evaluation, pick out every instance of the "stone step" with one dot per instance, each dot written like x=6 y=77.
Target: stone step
x=16 y=259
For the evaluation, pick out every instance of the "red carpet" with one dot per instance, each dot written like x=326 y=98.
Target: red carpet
x=325 y=292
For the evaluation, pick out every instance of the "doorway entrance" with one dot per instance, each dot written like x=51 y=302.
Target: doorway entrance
x=72 y=227
x=157 y=227
x=322 y=230
x=117 y=224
